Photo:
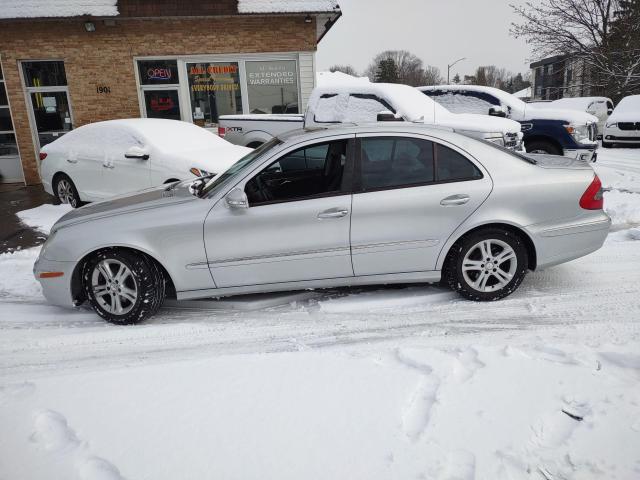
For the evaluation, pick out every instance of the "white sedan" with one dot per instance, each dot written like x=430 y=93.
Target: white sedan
x=623 y=126
x=104 y=159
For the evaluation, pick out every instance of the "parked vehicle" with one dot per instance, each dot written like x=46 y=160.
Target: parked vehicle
x=600 y=107
x=623 y=126
x=358 y=102
x=103 y=159
x=347 y=205
x=546 y=130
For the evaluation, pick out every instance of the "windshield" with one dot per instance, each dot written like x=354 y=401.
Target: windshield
x=239 y=166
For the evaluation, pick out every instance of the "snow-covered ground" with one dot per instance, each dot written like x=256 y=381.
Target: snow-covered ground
x=397 y=382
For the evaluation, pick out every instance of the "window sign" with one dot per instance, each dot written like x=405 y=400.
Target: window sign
x=158 y=72
x=272 y=86
x=162 y=104
x=214 y=89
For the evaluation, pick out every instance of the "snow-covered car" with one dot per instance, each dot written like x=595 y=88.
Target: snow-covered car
x=546 y=130
x=600 y=107
x=623 y=125
x=358 y=101
x=338 y=206
x=103 y=159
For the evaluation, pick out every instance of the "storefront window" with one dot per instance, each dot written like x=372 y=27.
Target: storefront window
x=272 y=86
x=44 y=74
x=214 y=89
x=162 y=104
x=8 y=145
x=5 y=119
x=3 y=94
x=158 y=72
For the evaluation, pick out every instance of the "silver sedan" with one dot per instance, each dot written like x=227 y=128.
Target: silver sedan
x=388 y=203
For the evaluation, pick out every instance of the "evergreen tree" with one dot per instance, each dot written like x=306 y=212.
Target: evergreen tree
x=456 y=79
x=387 y=71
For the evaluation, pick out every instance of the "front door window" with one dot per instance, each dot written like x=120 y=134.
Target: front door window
x=46 y=83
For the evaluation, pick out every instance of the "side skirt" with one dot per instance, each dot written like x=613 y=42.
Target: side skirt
x=412 y=277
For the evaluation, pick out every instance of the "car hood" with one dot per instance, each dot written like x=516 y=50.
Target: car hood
x=624 y=117
x=156 y=197
x=566 y=115
x=477 y=123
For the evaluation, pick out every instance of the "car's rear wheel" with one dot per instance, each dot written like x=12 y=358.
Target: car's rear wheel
x=123 y=287
x=66 y=191
x=542 y=146
x=487 y=265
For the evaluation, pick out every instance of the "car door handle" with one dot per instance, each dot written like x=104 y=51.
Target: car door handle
x=333 y=213
x=72 y=161
x=453 y=200
x=106 y=165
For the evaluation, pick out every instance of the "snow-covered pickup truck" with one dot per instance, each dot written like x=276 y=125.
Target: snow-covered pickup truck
x=546 y=130
x=359 y=102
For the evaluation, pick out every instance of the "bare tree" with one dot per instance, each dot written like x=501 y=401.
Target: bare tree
x=348 y=69
x=409 y=68
x=603 y=34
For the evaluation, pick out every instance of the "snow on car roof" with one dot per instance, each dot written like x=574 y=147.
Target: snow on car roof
x=58 y=8
x=287 y=6
x=172 y=135
x=504 y=97
x=577 y=103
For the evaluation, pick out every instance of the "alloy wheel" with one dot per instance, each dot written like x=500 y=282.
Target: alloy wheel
x=489 y=265
x=114 y=286
x=65 y=192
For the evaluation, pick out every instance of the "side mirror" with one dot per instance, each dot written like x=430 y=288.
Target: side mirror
x=236 y=198
x=387 y=116
x=136 y=152
x=498 y=111
x=609 y=111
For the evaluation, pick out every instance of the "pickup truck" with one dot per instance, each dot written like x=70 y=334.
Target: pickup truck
x=546 y=130
x=358 y=102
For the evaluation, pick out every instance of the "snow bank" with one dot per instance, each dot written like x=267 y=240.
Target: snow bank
x=286 y=6
x=57 y=8
x=16 y=275
x=43 y=217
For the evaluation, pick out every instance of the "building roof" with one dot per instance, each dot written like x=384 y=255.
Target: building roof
x=57 y=8
x=288 y=6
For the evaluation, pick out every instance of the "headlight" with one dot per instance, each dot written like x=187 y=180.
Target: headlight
x=611 y=125
x=198 y=172
x=580 y=133
x=494 y=137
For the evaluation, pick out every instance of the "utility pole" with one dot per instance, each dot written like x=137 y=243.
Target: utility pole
x=451 y=65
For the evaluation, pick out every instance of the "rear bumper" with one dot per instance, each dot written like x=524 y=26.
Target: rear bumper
x=564 y=241
x=57 y=290
x=47 y=187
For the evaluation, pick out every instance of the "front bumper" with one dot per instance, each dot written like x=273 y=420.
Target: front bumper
x=615 y=135
x=57 y=290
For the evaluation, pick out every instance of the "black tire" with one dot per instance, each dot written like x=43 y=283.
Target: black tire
x=453 y=269
x=607 y=144
x=65 y=190
x=145 y=277
x=542 y=146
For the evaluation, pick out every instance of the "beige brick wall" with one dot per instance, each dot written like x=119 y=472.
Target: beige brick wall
x=105 y=57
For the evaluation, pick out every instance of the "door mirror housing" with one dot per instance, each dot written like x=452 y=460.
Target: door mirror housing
x=609 y=111
x=498 y=111
x=236 y=198
x=137 y=153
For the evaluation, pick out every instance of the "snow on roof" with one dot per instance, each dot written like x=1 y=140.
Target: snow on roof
x=57 y=8
x=325 y=79
x=287 y=6
x=524 y=93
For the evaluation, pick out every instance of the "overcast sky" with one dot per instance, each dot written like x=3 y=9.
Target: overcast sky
x=437 y=31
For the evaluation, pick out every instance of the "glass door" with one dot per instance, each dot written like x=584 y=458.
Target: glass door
x=46 y=84
x=160 y=85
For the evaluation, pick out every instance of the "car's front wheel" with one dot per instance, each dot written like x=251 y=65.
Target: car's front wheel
x=66 y=191
x=487 y=265
x=123 y=287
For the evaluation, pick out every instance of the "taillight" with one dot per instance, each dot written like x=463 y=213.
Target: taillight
x=222 y=131
x=42 y=156
x=592 y=198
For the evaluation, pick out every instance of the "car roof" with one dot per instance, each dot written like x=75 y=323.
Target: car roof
x=376 y=127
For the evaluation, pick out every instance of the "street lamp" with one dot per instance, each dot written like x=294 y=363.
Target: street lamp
x=451 y=65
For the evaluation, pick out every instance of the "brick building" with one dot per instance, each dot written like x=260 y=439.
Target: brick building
x=66 y=63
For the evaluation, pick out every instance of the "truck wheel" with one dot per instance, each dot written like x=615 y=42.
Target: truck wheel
x=542 y=146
